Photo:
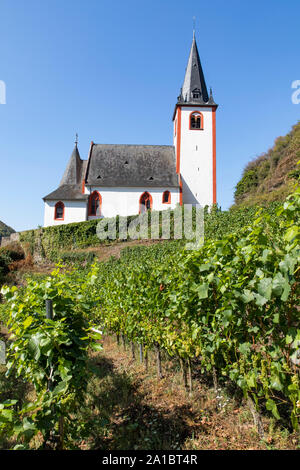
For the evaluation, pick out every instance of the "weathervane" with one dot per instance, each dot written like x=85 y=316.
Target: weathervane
x=194 y=26
x=76 y=139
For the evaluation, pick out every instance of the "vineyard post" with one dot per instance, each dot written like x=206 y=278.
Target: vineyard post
x=183 y=371
x=124 y=342
x=215 y=380
x=190 y=375
x=49 y=316
x=146 y=359
x=158 y=358
x=141 y=353
x=132 y=350
x=256 y=417
x=49 y=309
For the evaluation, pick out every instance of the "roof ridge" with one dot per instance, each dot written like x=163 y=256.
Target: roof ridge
x=138 y=145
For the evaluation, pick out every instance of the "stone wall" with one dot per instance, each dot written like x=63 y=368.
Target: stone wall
x=14 y=237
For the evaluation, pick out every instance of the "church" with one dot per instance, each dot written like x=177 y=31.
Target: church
x=130 y=179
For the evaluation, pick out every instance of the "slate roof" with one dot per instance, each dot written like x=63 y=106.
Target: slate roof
x=67 y=192
x=72 y=173
x=194 y=80
x=70 y=187
x=132 y=166
x=149 y=166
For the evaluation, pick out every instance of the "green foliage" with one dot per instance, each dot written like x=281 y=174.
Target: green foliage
x=63 y=242
x=219 y=223
x=5 y=230
x=5 y=260
x=295 y=174
x=269 y=173
x=8 y=254
x=233 y=304
x=51 y=354
x=248 y=181
x=50 y=241
x=13 y=250
x=73 y=257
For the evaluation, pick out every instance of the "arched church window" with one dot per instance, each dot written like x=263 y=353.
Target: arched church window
x=59 y=211
x=166 y=197
x=95 y=202
x=196 y=120
x=145 y=202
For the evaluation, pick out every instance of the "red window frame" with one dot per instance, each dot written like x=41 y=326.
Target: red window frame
x=57 y=205
x=94 y=195
x=168 y=201
x=196 y=114
x=149 y=198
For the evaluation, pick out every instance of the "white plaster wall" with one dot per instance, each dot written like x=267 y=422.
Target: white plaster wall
x=196 y=158
x=75 y=211
x=125 y=201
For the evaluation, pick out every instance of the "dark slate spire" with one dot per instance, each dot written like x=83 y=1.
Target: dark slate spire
x=194 y=87
x=72 y=173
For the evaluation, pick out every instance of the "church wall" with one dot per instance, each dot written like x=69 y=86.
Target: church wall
x=115 y=201
x=125 y=201
x=75 y=211
x=196 y=158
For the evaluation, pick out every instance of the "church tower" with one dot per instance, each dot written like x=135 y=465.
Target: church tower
x=195 y=136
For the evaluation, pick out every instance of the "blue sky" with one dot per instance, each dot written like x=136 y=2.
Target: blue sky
x=111 y=71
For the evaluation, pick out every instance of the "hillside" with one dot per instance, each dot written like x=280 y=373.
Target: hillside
x=5 y=230
x=270 y=176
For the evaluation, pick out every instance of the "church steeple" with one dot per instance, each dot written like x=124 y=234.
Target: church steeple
x=194 y=87
x=194 y=136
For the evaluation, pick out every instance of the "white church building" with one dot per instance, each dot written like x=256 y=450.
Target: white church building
x=129 y=179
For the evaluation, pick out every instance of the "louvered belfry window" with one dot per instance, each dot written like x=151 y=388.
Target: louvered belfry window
x=196 y=120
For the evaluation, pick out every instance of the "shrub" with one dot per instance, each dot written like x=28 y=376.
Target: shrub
x=14 y=250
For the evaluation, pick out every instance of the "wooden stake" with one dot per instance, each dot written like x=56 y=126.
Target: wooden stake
x=215 y=380
x=124 y=342
x=132 y=350
x=146 y=359
x=49 y=309
x=61 y=433
x=141 y=353
x=183 y=372
x=158 y=359
x=256 y=417
x=190 y=376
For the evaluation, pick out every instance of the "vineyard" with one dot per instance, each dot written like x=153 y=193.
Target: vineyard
x=229 y=308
